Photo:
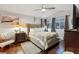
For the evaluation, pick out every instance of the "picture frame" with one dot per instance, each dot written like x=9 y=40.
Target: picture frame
x=8 y=19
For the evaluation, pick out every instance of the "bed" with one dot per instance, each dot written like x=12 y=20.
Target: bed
x=6 y=38
x=44 y=40
x=39 y=37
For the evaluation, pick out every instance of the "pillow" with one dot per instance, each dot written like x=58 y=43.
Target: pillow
x=36 y=30
x=5 y=36
x=2 y=37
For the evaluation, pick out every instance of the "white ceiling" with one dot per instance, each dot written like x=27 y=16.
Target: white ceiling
x=28 y=9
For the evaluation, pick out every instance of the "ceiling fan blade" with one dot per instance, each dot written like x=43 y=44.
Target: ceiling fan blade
x=50 y=8
x=37 y=9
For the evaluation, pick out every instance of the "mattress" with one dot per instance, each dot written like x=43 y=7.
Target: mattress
x=3 y=44
x=42 y=39
x=37 y=42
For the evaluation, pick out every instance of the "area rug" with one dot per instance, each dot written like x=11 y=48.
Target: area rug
x=29 y=48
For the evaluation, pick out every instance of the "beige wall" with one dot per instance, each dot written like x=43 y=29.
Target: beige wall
x=24 y=19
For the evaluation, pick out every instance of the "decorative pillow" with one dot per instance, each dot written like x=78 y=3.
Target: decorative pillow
x=5 y=37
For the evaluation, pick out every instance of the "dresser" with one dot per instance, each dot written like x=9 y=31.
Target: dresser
x=71 y=41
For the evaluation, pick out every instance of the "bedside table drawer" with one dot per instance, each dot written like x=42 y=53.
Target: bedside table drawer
x=20 y=37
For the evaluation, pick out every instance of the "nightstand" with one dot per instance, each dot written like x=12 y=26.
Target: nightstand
x=20 y=37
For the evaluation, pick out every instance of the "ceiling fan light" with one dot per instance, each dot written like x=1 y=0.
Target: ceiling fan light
x=43 y=10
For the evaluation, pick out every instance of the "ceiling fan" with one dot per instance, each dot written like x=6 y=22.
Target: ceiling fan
x=44 y=8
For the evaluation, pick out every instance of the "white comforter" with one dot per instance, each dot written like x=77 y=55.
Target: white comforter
x=42 y=37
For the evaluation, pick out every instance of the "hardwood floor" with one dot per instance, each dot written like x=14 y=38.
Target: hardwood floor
x=56 y=49
x=14 y=49
x=17 y=49
x=11 y=49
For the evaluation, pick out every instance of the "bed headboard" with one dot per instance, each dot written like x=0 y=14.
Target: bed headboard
x=33 y=25
x=29 y=26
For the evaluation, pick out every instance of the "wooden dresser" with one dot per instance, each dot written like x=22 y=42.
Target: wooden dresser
x=72 y=41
